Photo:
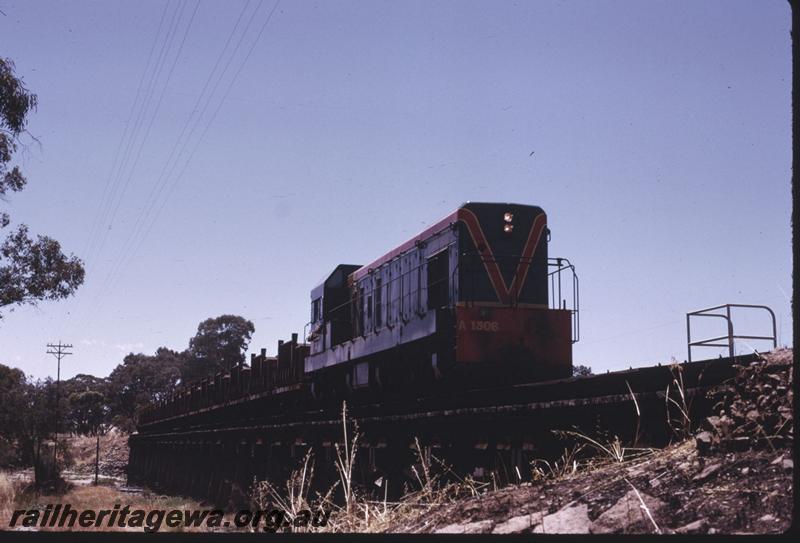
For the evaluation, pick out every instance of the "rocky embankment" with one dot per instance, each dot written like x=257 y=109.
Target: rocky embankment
x=113 y=454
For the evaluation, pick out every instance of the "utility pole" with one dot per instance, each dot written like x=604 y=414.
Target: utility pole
x=97 y=458
x=59 y=351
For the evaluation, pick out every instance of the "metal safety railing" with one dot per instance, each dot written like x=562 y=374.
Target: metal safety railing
x=558 y=299
x=730 y=336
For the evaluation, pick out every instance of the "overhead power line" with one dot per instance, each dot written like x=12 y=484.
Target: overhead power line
x=116 y=197
x=167 y=179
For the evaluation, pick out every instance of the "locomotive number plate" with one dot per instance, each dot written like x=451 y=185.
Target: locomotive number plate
x=479 y=326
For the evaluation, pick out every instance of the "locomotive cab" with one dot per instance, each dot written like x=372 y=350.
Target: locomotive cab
x=330 y=310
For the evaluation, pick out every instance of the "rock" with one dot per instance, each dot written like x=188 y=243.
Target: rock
x=699 y=526
x=741 y=443
x=703 y=438
x=703 y=442
x=514 y=525
x=450 y=529
x=478 y=527
x=627 y=511
x=709 y=470
x=573 y=519
x=712 y=422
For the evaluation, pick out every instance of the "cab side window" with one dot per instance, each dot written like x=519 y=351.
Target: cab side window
x=438 y=280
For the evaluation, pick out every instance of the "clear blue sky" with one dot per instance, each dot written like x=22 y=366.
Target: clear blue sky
x=660 y=133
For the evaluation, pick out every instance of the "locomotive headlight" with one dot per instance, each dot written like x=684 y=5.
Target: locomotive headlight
x=508 y=228
x=508 y=217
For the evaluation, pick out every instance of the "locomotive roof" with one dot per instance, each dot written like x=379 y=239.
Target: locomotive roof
x=425 y=234
x=345 y=270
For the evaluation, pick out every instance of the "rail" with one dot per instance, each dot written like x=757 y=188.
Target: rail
x=730 y=336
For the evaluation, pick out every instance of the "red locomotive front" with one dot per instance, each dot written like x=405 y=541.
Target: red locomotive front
x=502 y=315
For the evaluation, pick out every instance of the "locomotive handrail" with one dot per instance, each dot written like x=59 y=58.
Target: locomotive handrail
x=559 y=264
x=404 y=300
x=730 y=336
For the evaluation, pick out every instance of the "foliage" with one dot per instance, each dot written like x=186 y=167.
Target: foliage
x=27 y=422
x=220 y=343
x=30 y=270
x=35 y=270
x=140 y=380
x=11 y=382
x=90 y=404
x=88 y=412
x=82 y=383
x=15 y=104
x=10 y=378
x=581 y=371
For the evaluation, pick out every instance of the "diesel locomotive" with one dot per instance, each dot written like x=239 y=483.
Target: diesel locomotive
x=465 y=302
x=472 y=301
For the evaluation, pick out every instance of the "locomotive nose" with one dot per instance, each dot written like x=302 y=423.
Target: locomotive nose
x=527 y=343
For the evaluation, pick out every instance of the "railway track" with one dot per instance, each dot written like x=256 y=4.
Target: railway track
x=216 y=451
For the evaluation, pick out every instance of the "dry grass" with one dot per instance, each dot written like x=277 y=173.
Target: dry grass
x=565 y=466
x=612 y=449
x=105 y=497
x=7 y=496
x=294 y=498
x=356 y=512
x=15 y=496
x=606 y=449
x=680 y=423
x=345 y=462
x=360 y=514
